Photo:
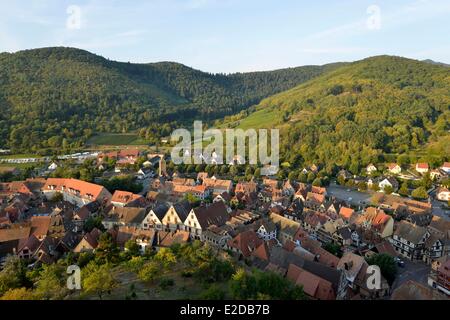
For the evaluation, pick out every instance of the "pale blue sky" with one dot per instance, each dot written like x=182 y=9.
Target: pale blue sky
x=232 y=35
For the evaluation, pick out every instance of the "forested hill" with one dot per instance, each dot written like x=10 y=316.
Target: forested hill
x=55 y=97
x=378 y=107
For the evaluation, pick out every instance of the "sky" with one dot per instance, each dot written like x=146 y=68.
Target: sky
x=231 y=35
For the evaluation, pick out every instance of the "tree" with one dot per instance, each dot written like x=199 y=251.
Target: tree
x=420 y=193
x=311 y=177
x=93 y=222
x=302 y=177
x=242 y=285
x=166 y=257
x=340 y=180
x=362 y=186
x=387 y=265
x=150 y=271
x=404 y=190
x=98 y=279
x=133 y=248
x=214 y=292
x=51 y=284
x=388 y=189
x=317 y=182
x=18 y=294
x=333 y=248
x=13 y=275
x=107 y=250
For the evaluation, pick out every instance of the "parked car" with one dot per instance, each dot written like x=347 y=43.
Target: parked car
x=400 y=262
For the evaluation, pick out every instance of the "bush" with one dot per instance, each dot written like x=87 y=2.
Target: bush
x=165 y=283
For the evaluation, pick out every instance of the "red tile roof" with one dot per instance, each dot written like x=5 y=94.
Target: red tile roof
x=246 y=242
x=313 y=285
x=124 y=197
x=84 y=188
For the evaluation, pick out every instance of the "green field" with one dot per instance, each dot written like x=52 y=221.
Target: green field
x=265 y=118
x=113 y=139
x=20 y=156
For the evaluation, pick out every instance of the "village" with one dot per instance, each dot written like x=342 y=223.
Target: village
x=318 y=231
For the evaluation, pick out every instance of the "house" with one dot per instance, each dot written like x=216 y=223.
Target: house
x=88 y=242
x=127 y=199
x=355 y=269
x=394 y=168
x=176 y=216
x=201 y=192
x=346 y=214
x=144 y=238
x=245 y=243
x=145 y=173
x=81 y=215
x=216 y=236
x=201 y=218
x=75 y=191
x=218 y=186
x=281 y=259
x=11 y=237
x=446 y=167
x=314 y=286
x=52 y=167
x=435 y=174
x=224 y=197
x=154 y=218
x=267 y=230
x=412 y=290
x=287 y=228
x=246 y=187
x=422 y=168
x=202 y=176
x=314 y=200
x=440 y=277
x=124 y=216
x=378 y=221
x=122 y=157
x=371 y=169
x=320 y=254
x=169 y=238
x=443 y=194
x=409 y=239
x=40 y=226
x=390 y=182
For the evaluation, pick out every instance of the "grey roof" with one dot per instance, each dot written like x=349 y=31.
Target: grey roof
x=410 y=232
x=182 y=208
x=284 y=258
x=160 y=210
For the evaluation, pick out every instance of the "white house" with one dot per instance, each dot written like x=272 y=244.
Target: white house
x=52 y=167
x=371 y=168
x=388 y=182
x=446 y=167
x=394 y=168
x=443 y=194
x=422 y=167
x=267 y=231
x=155 y=217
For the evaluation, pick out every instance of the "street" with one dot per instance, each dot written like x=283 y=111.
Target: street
x=417 y=271
x=353 y=196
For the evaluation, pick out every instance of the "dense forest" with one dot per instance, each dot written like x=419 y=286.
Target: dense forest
x=59 y=97
x=373 y=110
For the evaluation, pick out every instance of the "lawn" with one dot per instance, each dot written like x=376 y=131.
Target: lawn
x=113 y=139
x=20 y=156
x=265 y=118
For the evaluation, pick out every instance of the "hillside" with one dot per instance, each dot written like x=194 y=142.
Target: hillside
x=59 y=97
x=359 y=113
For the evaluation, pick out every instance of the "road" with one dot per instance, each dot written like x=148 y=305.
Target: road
x=340 y=192
x=417 y=271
